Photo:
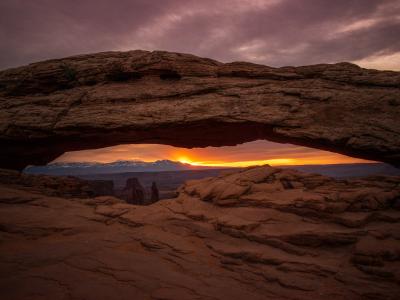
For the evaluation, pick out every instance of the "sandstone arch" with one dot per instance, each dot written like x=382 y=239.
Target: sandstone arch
x=110 y=98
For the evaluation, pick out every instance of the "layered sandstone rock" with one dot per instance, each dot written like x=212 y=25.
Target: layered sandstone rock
x=104 y=99
x=261 y=233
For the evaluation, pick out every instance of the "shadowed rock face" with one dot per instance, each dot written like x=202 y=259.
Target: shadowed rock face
x=133 y=192
x=104 y=99
x=61 y=186
x=260 y=233
x=155 y=195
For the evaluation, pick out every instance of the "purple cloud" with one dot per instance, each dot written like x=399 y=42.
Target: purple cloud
x=275 y=32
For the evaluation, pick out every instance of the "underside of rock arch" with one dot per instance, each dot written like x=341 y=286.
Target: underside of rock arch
x=111 y=98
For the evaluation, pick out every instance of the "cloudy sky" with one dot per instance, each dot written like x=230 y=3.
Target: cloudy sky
x=271 y=32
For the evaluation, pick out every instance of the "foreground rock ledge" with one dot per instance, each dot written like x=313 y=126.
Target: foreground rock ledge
x=104 y=99
x=261 y=233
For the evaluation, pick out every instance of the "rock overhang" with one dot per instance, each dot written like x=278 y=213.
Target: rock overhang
x=111 y=98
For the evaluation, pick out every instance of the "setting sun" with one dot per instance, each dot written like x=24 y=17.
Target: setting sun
x=185 y=160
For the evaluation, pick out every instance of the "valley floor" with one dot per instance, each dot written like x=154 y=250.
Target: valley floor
x=259 y=233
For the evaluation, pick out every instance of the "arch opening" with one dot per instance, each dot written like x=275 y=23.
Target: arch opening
x=17 y=154
x=246 y=154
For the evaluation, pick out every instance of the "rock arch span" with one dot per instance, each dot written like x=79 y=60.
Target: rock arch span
x=110 y=98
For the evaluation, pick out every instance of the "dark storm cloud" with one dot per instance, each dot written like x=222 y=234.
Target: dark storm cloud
x=275 y=32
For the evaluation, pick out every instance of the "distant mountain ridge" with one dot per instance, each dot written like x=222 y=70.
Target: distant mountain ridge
x=126 y=166
x=120 y=166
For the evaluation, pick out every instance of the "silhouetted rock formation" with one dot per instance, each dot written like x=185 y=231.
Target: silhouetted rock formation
x=259 y=233
x=105 y=99
x=133 y=192
x=155 y=196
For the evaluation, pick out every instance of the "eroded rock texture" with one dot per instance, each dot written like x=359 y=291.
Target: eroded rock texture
x=261 y=233
x=104 y=99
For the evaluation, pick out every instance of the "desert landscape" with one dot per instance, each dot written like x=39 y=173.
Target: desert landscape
x=112 y=178
x=154 y=174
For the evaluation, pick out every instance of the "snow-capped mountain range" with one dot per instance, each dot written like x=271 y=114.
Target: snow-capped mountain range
x=125 y=166
x=120 y=166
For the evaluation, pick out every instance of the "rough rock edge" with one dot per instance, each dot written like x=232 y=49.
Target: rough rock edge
x=110 y=98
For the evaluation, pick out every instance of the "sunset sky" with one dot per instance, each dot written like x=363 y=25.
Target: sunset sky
x=253 y=153
x=271 y=32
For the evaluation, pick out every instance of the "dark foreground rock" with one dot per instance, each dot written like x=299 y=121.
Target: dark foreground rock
x=261 y=233
x=111 y=98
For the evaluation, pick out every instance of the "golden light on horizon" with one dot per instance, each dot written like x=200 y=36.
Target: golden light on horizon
x=185 y=160
x=248 y=154
x=272 y=162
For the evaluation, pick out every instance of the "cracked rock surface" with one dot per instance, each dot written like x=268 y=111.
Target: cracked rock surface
x=260 y=233
x=105 y=99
